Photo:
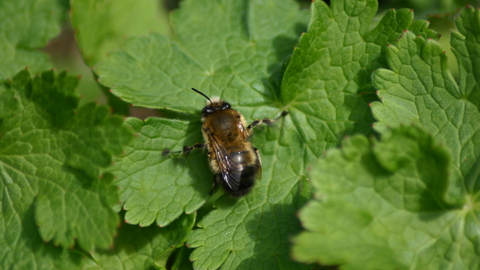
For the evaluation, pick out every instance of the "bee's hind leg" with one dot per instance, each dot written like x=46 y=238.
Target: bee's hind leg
x=186 y=149
x=214 y=187
x=265 y=121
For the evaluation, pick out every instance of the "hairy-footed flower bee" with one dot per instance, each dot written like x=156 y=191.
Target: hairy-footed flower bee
x=233 y=159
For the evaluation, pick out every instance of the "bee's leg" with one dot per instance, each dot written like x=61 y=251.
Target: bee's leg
x=214 y=186
x=186 y=149
x=265 y=121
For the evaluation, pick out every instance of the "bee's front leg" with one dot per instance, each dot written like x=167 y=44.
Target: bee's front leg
x=266 y=121
x=186 y=149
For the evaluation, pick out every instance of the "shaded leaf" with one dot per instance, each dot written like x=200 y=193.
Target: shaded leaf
x=420 y=89
x=49 y=166
x=233 y=59
x=102 y=26
x=159 y=189
x=138 y=248
x=373 y=214
x=409 y=201
x=236 y=49
x=25 y=27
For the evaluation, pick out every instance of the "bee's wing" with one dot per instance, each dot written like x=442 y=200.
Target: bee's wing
x=230 y=170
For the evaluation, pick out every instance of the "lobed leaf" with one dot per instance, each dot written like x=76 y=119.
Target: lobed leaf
x=101 y=26
x=465 y=46
x=252 y=232
x=228 y=48
x=143 y=248
x=50 y=158
x=327 y=82
x=182 y=261
x=25 y=27
x=410 y=200
x=233 y=59
x=369 y=214
x=323 y=89
x=420 y=89
x=159 y=189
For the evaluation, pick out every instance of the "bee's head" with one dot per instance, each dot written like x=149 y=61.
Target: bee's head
x=213 y=105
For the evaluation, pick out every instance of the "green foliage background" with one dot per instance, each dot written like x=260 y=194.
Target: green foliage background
x=374 y=167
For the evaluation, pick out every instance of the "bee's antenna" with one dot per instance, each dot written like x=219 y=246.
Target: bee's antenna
x=202 y=94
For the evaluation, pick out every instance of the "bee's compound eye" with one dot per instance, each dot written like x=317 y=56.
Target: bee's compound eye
x=226 y=105
x=207 y=110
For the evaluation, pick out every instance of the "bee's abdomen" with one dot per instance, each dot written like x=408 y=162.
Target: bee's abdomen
x=240 y=157
x=248 y=173
x=246 y=182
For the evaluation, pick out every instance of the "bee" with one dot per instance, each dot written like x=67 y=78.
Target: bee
x=236 y=164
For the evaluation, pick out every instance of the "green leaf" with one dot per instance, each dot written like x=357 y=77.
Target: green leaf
x=101 y=26
x=327 y=82
x=420 y=89
x=140 y=248
x=369 y=214
x=156 y=188
x=236 y=49
x=321 y=112
x=182 y=261
x=252 y=232
x=236 y=56
x=466 y=47
x=25 y=27
x=8 y=102
x=411 y=200
x=50 y=158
